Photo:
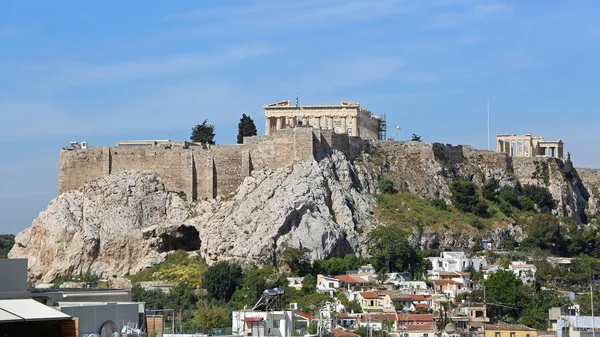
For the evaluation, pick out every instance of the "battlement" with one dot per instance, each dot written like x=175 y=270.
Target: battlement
x=202 y=171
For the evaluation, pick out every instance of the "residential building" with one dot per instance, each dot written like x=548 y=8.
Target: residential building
x=369 y=302
x=526 y=272
x=367 y=269
x=346 y=320
x=295 y=282
x=343 y=333
x=455 y=261
x=509 y=330
x=19 y=314
x=378 y=321
x=577 y=326
x=415 y=325
x=449 y=288
x=279 y=323
x=327 y=284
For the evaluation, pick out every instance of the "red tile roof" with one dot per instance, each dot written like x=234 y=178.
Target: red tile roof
x=369 y=295
x=421 y=306
x=347 y=279
x=341 y=333
x=415 y=327
x=305 y=315
x=505 y=326
x=417 y=297
x=415 y=318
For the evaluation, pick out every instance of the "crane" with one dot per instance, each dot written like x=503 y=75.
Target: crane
x=396 y=132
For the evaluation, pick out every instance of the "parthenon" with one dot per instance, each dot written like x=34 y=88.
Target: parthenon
x=528 y=146
x=348 y=117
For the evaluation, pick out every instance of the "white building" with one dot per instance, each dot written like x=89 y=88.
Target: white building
x=576 y=326
x=327 y=284
x=526 y=272
x=279 y=323
x=455 y=261
x=367 y=269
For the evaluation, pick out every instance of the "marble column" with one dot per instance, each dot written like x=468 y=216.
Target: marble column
x=355 y=126
x=278 y=123
x=343 y=126
x=330 y=123
x=304 y=121
x=268 y=126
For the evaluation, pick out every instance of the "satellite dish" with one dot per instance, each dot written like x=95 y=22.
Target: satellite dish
x=108 y=329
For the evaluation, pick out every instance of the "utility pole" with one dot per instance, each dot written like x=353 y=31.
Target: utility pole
x=592 y=300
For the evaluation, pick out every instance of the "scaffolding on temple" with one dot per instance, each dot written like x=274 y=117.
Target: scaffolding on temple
x=382 y=128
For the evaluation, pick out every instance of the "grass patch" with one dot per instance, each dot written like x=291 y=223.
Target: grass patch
x=407 y=211
x=176 y=268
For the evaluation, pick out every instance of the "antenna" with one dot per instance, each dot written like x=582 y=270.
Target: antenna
x=488 y=123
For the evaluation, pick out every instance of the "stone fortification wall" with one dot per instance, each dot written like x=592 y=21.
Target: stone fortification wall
x=203 y=173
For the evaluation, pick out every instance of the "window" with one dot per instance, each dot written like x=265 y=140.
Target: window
x=512 y=334
x=425 y=335
x=330 y=284
x=276 y=323
x=497 y=334
x=526 y=335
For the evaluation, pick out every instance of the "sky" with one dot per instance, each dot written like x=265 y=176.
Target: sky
x=114 y=70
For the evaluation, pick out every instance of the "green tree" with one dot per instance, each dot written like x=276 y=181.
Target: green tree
x=465 y=197
x=7 y=241
x=540 y=195
x=508 y=194
x=544 y=232
x=585 y=303
x=387 y=186
x=222 y=279
x=209 y=315
x=246 y=128
x=415 y=138
x=309 y=284
x=389 y=248
x=490 y=189
x=297 y=260
x=535 y=313
x=255 y=280
x=505 y=291
x=203 y=133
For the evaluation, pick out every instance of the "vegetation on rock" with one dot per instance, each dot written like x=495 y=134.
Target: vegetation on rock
x=6 y=243
x=203 y=133
x=246 y=128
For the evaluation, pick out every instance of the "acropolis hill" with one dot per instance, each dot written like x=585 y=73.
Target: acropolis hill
x=309 y=183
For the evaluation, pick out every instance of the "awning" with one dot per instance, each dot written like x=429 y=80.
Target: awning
x=28 y=310
x=253 y=319
x=8 y=317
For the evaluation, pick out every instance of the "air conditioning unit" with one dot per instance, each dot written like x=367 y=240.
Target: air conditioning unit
x=294 y=306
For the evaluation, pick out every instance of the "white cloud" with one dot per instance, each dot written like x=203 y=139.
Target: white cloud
x=468 y=14
x=143 y=69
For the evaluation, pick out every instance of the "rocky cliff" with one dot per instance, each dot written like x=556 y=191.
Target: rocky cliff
x=128 y=221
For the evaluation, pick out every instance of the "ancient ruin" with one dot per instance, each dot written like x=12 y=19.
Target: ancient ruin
x=528 y=146
x=346 y=118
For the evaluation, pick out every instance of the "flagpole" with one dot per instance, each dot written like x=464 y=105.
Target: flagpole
x=488 y=123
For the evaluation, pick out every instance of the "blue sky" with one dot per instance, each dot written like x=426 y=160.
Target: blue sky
x=112 y=70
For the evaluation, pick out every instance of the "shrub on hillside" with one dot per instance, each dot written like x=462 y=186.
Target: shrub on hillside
x=464 y=195
x=539 y=195
x=387 y=186
x=440 y=204
x=490 y=189
x=508 y=194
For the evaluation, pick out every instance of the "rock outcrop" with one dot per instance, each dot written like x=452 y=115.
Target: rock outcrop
x=127 y=221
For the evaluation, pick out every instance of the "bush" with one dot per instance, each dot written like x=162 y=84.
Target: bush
x=526 y=204
x=539 y=195
x=439 y=203
x=509 y=195
x=464 y=195
x=506 y=209
x=490 y=189
x=477 y=224
x=387 y=186
x=481 y=210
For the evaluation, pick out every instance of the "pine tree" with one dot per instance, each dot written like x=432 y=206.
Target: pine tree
x=246 y=128
x=203 y=133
